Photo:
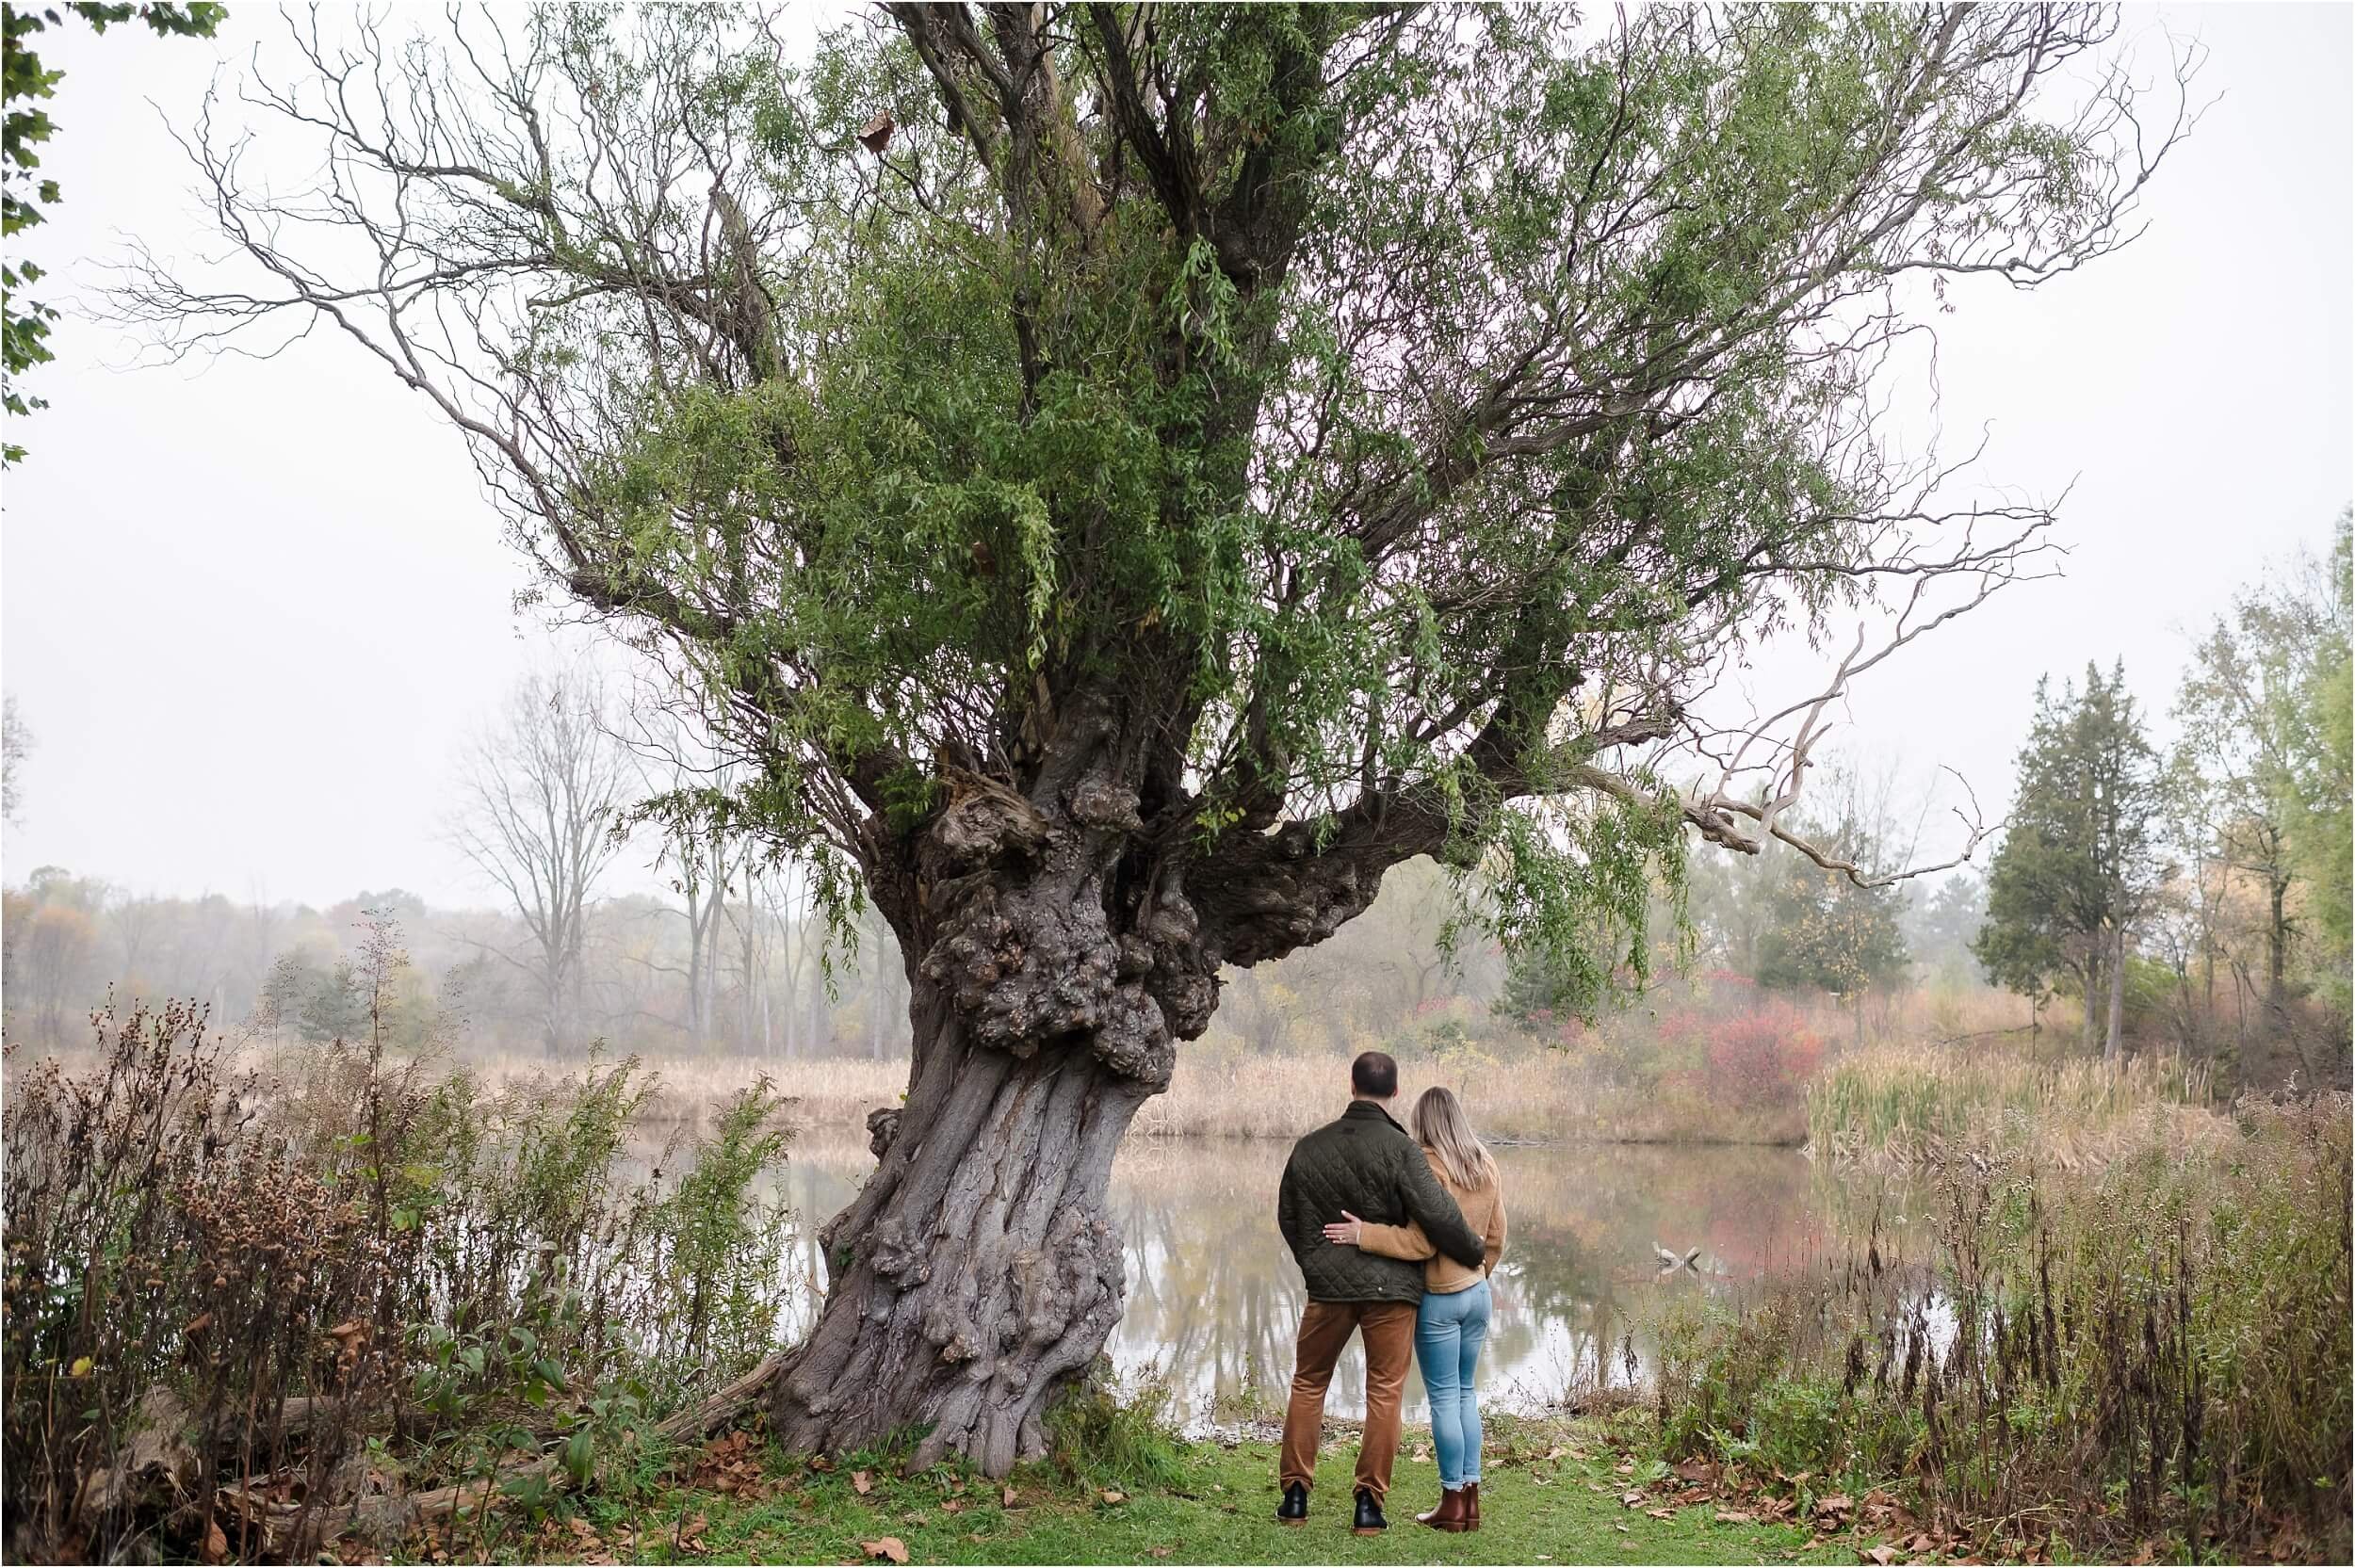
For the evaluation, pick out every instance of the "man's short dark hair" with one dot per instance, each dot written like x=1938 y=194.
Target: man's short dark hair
x=1374 y=1074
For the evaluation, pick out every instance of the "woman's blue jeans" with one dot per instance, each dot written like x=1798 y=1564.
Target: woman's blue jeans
x=1449 y=1331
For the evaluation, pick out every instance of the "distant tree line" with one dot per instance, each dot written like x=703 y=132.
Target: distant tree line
x=550 y=798
x=286 y=970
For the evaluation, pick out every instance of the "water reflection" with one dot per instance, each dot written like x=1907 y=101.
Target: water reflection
x=1214 y=1299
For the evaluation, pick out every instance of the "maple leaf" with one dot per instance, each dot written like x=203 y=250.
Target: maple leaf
x=890 y=1546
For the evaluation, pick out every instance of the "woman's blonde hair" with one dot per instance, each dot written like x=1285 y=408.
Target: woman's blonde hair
x=1442 y=1126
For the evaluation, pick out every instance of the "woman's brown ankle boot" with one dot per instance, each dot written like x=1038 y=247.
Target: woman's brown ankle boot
x=1448 y=1515
x=1471 y=1504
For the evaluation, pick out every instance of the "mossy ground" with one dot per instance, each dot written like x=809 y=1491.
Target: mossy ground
x=1551 y=1494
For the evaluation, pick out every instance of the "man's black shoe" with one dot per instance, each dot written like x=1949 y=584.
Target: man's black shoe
x=1369 y=1520
x=1293 y=1509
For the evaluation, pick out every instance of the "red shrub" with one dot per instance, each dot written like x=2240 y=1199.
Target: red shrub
x=1763 y=1057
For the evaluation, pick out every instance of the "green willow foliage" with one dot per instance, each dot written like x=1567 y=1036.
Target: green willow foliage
x=1394 y=417
x=25 y=85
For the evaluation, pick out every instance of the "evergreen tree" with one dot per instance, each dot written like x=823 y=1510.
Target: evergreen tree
x=1939 y=923
x=2080 y=857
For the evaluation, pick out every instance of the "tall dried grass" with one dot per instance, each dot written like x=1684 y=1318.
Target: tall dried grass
x=2156 y=1349
x=1896 y=1106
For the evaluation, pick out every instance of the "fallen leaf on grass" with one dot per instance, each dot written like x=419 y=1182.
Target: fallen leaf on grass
x=1630 y=1498
x=1736 y=1516
x=1659 y=1513
x=1159 y=1551
x=952 y=1505
x=1007 y=1501
x=890 y=1546
x=1881 y=1555
x=1115 y=1496
x=1626 y=1466
x=862 y=1483
x=1621 y=1528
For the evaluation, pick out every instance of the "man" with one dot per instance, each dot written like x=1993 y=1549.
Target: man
x=1365 y=1158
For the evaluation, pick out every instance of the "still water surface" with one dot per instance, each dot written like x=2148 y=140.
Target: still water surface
x=1214 y=1297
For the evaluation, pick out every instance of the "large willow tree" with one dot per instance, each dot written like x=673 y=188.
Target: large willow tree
x=1120 y=477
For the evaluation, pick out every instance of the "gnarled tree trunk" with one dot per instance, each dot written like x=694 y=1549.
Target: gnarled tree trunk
x=980 y=1270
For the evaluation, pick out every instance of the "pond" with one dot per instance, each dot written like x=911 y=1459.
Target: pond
x=1215 y=1297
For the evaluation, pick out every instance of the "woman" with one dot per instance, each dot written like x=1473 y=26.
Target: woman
x=1453 y=1321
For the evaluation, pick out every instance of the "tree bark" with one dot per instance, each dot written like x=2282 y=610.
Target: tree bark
x=980 y=1270
x=2117 y=997
x=2277 y=957
x=2092 y=995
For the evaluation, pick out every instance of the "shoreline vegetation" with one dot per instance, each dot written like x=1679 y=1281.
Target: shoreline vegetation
x=2125 y=1328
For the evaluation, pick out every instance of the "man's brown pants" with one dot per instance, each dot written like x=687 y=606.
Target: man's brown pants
x=1389 y=1328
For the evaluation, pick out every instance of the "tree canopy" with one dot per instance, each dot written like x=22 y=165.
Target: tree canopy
x=1387 y=420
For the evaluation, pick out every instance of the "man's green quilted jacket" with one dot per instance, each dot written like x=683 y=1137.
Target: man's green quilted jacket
x=1366 y=1164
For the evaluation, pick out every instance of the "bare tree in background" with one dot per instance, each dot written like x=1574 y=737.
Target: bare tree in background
x=16 y=745
x=543 y=791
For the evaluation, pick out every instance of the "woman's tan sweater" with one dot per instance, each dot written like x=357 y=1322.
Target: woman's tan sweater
x=1484 y=1211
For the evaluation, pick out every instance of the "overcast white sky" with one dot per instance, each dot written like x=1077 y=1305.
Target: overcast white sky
x=252 y=611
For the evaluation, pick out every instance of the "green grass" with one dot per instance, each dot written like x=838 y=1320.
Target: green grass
x=1219 y=1508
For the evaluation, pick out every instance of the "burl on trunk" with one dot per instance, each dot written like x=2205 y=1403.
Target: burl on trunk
x=978 y=1272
